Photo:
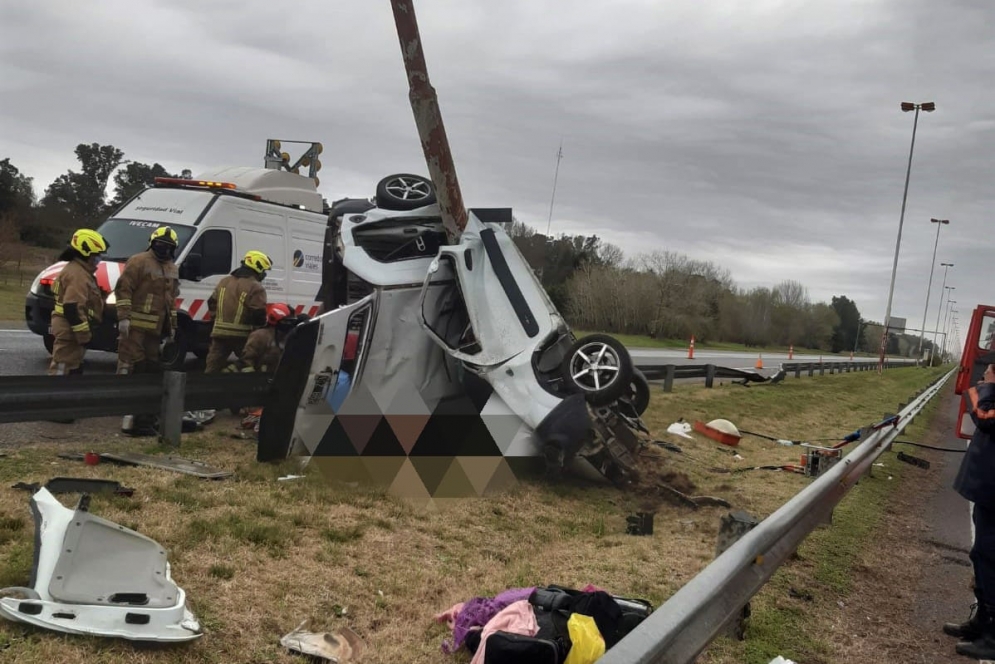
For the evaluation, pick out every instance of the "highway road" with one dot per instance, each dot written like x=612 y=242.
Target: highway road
x=22 y=353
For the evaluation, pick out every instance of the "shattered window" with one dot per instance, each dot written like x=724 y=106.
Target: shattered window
x=450 y=320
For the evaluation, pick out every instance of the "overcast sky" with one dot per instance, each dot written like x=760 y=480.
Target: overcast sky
x=765 y=136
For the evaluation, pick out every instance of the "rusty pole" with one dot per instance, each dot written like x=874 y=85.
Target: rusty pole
x=428 y=118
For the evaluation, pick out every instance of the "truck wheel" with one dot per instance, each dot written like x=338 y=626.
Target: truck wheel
x=404 y=191
x=49 y=341
x=599 y=367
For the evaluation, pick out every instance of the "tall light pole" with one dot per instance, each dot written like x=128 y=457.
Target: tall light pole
x=950 y=306
x=922 y=336
x=936 y=331
x=906 y=107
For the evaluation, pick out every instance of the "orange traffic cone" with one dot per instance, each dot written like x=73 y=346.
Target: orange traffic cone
x=791 y=352
x=691 y=349
x=760 y=362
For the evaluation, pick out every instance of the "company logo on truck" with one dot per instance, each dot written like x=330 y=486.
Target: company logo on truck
x=308 y=262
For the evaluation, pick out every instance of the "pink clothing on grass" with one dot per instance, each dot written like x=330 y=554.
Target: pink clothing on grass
x=517 y=618
x=449 y=615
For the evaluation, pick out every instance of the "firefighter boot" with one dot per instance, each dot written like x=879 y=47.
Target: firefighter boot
x=971 y=629
x=983 y=645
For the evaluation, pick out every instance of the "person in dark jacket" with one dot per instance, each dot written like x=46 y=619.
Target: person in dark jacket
x=976 y=482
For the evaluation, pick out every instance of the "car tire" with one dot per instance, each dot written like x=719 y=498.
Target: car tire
x=49 y=342
x=404 y=191
x=174 y=355
x=615 y=366
x=639 y=392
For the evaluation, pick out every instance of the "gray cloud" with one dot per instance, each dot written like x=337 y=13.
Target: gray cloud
x=763 y=136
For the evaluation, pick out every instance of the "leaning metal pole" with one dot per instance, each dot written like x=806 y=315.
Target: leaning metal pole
x=929 y=286
x=428 y=119
x=898 y=243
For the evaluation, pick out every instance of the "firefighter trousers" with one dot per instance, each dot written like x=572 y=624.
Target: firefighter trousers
x=67 y=352
x=138 y=351
x=221 y=349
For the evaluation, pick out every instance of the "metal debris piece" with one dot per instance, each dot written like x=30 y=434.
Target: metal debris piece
x=94 y=577
x=77 y=485
x=640 y=523
x=176 y=464
x=915 y=461
x=338 y=646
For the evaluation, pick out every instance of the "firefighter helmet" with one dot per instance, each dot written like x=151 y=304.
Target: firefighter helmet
x=88 y=242
x=276 y=312
x=163 y=234
x=258 y=261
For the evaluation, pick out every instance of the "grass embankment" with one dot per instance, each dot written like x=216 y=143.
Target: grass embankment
x=12 y=301
x=643 y=341
x=256 y=555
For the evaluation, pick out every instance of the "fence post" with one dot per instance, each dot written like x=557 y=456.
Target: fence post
x=709 y=374
x=732 y=527
x=822 y=369
x=171 y=416
x=668 y=379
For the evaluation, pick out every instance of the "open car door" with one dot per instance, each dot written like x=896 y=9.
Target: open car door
x=323 y=358
x=495 y=308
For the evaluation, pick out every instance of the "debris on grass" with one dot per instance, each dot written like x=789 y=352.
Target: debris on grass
x=338 y=646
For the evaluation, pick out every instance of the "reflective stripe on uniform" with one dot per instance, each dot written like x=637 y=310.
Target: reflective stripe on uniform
x=82 y=327
x=241 y=306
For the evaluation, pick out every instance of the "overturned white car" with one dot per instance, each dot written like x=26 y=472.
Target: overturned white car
x=431 y=349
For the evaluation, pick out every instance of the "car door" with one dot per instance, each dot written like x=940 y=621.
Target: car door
x=322 y=360
x=495 y=308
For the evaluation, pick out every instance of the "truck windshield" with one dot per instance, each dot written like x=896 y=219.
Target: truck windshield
x=127 y=237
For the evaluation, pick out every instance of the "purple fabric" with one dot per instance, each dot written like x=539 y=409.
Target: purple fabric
x=478 y=611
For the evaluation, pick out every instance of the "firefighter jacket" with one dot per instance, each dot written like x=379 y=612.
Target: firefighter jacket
x=262 y=352
x=237 y=305
x=146 y=293
x=78 y=298
x=976 y=477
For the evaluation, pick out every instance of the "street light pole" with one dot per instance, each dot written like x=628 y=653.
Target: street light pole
x=906 y=106
x=922 y=336
x=936 y=331
x=950 y=306
x=860 y=326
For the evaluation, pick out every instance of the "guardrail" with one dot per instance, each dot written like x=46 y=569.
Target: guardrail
x=668 y=373
x=678 y=631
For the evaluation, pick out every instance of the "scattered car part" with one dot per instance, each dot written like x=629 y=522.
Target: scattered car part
x=640 y=523
x=818 y=460
x=680 y=428
x=176 y=464
x=339 y=646
x=721 y=430
x=77 y=485
x=915 y=461
x=91 y=576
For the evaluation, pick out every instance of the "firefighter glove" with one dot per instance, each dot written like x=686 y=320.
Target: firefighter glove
x=123 y=326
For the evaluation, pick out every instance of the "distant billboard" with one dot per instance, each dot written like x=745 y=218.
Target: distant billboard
x=896 y=325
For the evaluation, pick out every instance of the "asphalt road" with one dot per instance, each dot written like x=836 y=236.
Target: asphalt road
x=22 y=353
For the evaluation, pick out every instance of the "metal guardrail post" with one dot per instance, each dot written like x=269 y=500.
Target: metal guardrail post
x=811 y=369
x=822 y=369
x=171 y=418
x=798 y=371
x=668 y=379
x=709 y=375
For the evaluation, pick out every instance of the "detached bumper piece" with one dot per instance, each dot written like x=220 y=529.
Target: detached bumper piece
x=94 y=577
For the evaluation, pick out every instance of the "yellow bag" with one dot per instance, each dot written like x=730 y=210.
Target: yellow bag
x=588 y=644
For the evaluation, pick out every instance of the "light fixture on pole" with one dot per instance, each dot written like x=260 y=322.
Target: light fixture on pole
x=922 y=336
x=906 y=106
x=936 y=331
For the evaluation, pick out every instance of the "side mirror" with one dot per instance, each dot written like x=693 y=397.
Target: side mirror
x=190 y=268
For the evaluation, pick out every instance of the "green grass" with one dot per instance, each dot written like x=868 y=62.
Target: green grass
x=304 y=547
x=12 y=300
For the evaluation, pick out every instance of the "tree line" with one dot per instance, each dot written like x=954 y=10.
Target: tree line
x=660 y=294
x=75 y=199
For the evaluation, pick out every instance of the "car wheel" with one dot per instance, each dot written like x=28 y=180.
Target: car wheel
x=639 y=392
x=599 y=367
x=49 y=342
x=404 y=191
x=174 y=354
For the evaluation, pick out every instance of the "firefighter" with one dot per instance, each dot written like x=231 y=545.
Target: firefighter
x=78 y=302
x=264 y=347
x=237 y=305
x=146 y=296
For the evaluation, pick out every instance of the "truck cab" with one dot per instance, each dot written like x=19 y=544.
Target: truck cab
x=979 y=352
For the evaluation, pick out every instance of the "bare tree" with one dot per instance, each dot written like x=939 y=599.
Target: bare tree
x=10 y=245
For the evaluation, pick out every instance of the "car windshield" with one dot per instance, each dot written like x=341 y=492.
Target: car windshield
x=127 y=237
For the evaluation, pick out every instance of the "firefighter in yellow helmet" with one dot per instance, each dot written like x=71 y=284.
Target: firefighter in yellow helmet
x=78 y=302
x=237 y=306
x=146 y=296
